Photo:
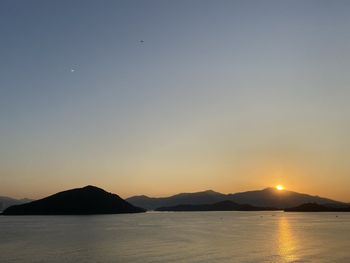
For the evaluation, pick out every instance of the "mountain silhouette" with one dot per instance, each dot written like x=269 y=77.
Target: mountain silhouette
x=220 y=206
x=313 y=207
x=6 y=202
x=81 y=201
x=151 y=203
x=271 y=197
x=268 y=197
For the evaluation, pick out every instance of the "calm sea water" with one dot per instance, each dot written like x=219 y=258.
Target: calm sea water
x=177 y=237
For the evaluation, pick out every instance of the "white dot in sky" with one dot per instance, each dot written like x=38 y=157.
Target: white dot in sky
x=72 y=70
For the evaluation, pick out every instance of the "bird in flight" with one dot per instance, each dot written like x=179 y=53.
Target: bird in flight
x=142 y=41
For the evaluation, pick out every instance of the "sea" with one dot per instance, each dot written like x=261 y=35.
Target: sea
x=177 y=237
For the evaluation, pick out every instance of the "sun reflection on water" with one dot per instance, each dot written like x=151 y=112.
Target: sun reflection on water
x=287 y=243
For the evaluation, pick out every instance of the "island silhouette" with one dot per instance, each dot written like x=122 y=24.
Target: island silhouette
x=314 y=207
x=91 y=200
x=80 y=201
x=220 y=206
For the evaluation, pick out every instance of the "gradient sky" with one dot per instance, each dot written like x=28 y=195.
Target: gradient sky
x=223 y=95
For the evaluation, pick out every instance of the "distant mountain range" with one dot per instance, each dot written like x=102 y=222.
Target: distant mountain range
x=151 y=203
x=81 y=201
x=269 y=197
x=220 y=206
x=5 y=202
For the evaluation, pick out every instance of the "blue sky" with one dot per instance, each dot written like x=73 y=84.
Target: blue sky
x=229 y=95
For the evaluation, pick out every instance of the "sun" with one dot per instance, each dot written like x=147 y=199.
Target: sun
x=279 y=187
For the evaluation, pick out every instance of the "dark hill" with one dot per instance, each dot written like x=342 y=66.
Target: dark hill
x=81 y=201
x=313 y=207
x=220 y=206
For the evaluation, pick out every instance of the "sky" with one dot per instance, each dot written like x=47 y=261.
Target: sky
x=160 y=97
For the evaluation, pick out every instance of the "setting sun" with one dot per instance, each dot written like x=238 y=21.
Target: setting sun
x=279 y=187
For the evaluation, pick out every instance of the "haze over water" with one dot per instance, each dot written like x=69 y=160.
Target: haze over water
x=177 y=237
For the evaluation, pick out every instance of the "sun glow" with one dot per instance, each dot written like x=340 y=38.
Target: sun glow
x=279 y=187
